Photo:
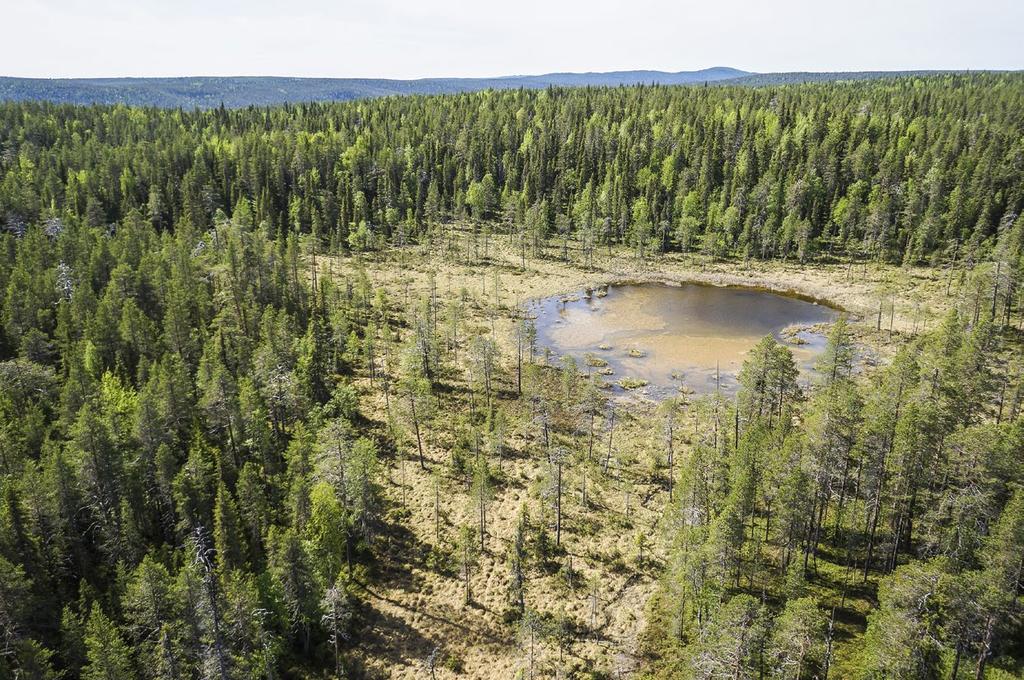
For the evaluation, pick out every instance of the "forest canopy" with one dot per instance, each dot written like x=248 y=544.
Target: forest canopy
x=237 y=401
x=911 y=169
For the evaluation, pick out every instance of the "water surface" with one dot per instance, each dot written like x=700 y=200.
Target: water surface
x=690 y=335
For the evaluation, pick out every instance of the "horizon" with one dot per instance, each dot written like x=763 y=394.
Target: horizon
x=65 y=39
x=499 y=76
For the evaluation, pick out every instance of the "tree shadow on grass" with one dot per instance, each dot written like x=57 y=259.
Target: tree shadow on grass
x=395 y=625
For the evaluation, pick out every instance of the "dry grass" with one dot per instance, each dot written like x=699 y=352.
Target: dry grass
x=415 y=606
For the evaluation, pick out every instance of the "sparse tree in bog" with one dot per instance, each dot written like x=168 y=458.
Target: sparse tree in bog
x=417 y=408
x=467 y=549
x=531 y=635
x=517 y=554
x=483 y=494
x=483 y=357
x=668 y=411
x=590 y=405
x=497 y=436
x=556 y=480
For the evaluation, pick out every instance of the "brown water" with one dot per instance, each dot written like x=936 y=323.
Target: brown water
x=690 y=336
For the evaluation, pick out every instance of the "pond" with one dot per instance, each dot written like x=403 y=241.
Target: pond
x=687 y=336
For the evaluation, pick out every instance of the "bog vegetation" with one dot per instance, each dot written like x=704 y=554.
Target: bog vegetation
x=228 y=449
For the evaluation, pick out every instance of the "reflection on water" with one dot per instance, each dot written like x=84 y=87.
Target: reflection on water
x=674 y=335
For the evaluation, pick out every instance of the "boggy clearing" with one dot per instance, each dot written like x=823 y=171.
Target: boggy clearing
x=589 y=591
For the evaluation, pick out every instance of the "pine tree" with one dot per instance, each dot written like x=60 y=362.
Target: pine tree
x=731 y=647
x=482 y=496
x=468 y=555
x=337 y=611
x=901 y=636
x=289 y=565
x=327 y=532
x=108 y=657
x=228 y=537
x=796 y=648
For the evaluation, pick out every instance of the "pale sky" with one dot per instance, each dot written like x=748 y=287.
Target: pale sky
x=426 y=38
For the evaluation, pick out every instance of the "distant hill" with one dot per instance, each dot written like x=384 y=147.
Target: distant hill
x=797 y=77
x=206 y=92
x=234 y=92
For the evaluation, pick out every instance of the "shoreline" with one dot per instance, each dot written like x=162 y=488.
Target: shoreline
x=911 y=295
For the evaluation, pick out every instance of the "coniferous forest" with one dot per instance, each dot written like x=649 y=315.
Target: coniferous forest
x=271 y=405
